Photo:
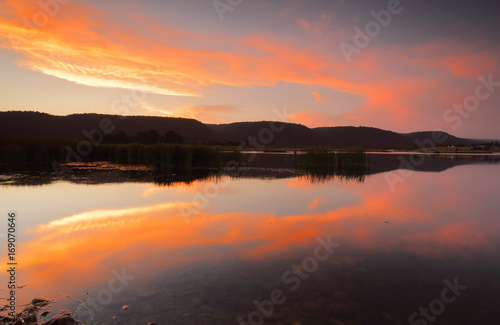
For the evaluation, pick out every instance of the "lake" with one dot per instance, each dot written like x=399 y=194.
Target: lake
x=265 y=246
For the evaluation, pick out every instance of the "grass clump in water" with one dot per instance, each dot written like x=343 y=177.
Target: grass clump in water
x=323 y=163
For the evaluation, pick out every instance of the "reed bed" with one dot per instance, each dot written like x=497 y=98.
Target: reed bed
x=33 y=151
x=165 y=155
x=162 y=155
x=318 y=163
x=322 y=163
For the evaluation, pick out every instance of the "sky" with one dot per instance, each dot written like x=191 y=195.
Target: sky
x=400 y=65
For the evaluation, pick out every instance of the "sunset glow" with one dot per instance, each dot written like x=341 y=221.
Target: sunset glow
x=192 y=64
x=161 y=229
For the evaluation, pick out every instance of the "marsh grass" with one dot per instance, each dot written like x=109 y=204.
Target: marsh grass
x=162 y=156
x=189 y=161
x=321 y=163
x=32 y=151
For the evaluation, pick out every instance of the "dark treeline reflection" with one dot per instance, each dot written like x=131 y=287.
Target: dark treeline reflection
x=101 y=173
x=15 y=152
x=265 y=165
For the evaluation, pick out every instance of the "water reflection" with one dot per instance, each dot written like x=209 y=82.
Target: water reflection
x=396 y=248
x=264 y=165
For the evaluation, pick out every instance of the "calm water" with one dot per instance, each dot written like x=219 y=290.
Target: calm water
x=394 y=247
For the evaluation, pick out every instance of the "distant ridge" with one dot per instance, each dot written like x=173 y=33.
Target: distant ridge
x=41 y=125
x=17 y=124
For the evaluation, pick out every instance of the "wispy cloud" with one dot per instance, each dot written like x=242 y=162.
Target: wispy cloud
x=317 y=97
x=403 y=86
x=209 y=113
x=154 y=109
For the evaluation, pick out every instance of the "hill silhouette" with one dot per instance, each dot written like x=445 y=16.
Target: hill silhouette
x=17 y=124
x=41 y=125
x=269 y=134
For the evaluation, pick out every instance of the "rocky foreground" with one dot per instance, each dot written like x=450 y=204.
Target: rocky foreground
x=33 y=314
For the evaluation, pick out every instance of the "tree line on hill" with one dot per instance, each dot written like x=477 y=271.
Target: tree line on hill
x=150 y=137
x=151 y=129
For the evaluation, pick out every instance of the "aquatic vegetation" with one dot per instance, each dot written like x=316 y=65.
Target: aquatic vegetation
x=163 y=156
x=190 y=160
x=321 y=163
x=33 y=151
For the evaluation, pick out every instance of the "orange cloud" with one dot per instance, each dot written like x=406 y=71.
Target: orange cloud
x=461 y=60
x=88 y=46
x=317 y=97
x=73 y=46
x=208 y=113
x=314 y=204
x=312 y=118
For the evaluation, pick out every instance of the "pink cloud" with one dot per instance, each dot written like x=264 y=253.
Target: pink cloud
x=402 y=85
x=317 y=97
x=209 y=113
x=312 y=118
